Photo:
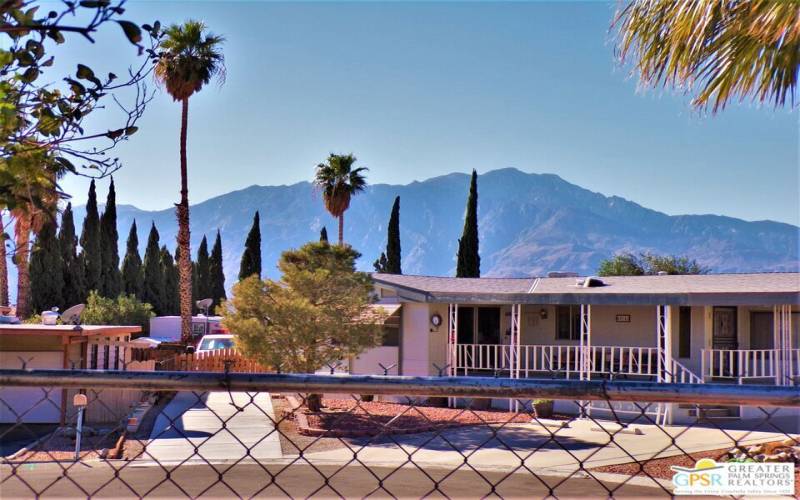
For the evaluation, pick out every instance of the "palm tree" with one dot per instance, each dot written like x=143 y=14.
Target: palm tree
x=726 y=50
x=188 y=58
x=339 y=181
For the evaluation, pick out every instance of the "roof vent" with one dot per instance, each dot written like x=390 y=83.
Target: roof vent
x=562 y=274
x=662 y=273
x=590 y=282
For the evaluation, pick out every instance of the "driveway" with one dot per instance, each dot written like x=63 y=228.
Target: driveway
x=537 y=448
x=207 y=426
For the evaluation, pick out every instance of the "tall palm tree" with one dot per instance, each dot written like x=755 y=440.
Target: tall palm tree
x=188 y=58
x=339 y=181
x=727 y=50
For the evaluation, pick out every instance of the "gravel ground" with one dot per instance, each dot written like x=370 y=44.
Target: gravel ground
x=291 y=440
x=57 y=447
x=378 y=417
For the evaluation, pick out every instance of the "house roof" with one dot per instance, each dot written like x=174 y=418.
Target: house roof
x=706 y=289
x=68 y=330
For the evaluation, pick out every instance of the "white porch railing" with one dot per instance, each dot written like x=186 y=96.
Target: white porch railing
x=741 y=364
x=561 y=359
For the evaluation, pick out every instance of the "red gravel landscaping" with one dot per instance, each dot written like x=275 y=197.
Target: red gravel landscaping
x=346 y=418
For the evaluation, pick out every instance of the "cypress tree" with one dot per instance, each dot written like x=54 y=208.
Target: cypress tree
x=251 y=258
x=323 y=235
x=46 y=270
x=203 y=275
x=90 y=243
x=132 y=265
x=393 y=240
x=171 y=303
x=153 y=277
x=380 y=264
x=110 y=277
x=469 y=259
x=74 y=290
x=216 y=273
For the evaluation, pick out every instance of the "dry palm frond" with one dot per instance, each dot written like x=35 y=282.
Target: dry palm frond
x=722 y=50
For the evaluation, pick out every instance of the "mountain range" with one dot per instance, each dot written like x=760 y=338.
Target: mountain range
x=529 y=224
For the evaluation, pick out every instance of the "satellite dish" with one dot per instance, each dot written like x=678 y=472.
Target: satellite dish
x=72 y=316
x=204 y=305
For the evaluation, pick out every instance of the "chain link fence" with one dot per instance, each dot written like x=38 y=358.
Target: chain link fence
x=225 y=434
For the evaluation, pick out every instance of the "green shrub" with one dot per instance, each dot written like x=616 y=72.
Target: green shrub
x=124 y=310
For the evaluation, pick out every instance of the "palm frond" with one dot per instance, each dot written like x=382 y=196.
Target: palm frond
x=720 y=50
x=189 y=57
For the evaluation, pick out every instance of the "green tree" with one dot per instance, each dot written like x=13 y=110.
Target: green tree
x=189 y=58
x=47 y=275
x=721 y=51
x=622 y=264
x=110 y=277
x=672 y=264
x=132 y=265
x=628 y=264
x=216 y=273
x=74 y=291
x=90 y=242
x=323 y=234
x=251 y=258
x=152 y=275
x=306 y=319
x=339 y=182
x=389 y=261
x=202 y=266
x=469 y=259
x=121 y=310
x=45 y=110
x=171 y=302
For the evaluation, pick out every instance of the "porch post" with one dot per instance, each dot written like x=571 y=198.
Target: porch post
x=516 y=330
x=452 y=339
x=664 y=343
x=586 y=342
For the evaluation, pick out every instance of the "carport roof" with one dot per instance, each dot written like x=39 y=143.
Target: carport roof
x=707 y=289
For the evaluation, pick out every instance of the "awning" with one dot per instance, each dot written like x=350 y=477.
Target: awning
x=388 y=309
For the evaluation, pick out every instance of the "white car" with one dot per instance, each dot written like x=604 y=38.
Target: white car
x=214 y=342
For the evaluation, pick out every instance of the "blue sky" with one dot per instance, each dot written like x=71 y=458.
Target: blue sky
x=422 y=89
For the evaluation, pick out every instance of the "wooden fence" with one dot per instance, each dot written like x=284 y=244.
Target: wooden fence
x=212 y=361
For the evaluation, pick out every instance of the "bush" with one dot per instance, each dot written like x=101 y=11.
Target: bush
x=124 y=310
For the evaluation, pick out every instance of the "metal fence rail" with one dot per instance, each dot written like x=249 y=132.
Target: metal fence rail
x=249 y=435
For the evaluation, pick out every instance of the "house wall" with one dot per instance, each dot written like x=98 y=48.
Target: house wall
x=415 y=339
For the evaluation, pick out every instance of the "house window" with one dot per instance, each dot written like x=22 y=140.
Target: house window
x=106 y=350
x=568 y=322
x=391 y=331
x=685 y=332
x=93 y=357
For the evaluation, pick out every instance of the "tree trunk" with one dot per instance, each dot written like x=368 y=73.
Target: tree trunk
x=341 y=229
x=3 y=265
x=21 y=256
x=314 y=402
x=182 y=211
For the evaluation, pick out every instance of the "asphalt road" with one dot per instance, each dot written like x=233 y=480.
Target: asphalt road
x=299 y=480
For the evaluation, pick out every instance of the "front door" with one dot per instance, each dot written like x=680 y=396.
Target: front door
x=725 y=333
x=488 y=325
x=725 y=337
x=762 y=335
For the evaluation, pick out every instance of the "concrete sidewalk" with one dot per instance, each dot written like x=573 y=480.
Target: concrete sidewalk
x=191 y=428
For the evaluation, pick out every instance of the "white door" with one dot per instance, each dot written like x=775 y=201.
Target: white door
x=32 y=404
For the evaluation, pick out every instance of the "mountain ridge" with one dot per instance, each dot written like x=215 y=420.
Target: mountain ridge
x=529 y=223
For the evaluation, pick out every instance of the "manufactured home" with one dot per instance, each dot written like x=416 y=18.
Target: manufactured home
x=721 y=328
